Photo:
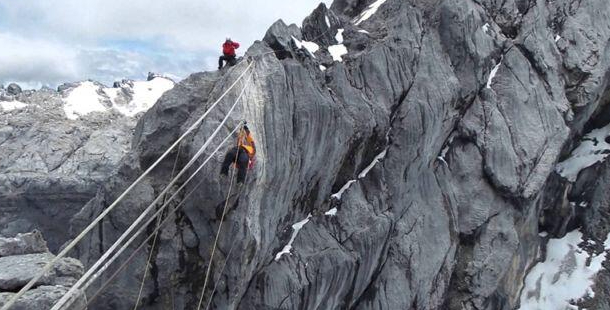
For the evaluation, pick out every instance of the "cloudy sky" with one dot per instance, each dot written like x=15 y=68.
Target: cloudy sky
x=50 y=42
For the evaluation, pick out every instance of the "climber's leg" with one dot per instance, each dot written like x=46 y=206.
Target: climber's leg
x=231 y=61
x=229 y=159
x=220 y=61
x=242 y=165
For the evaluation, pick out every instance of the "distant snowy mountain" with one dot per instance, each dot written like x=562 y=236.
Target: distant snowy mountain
x=126 y=97
x=52 y=142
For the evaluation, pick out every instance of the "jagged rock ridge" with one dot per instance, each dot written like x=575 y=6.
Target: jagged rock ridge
x=458 y=111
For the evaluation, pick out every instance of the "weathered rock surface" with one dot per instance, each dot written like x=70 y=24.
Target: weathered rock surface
x=439 y=131
x=27 y=243
x=22 y=259
x=44 y=297
x=473 y=103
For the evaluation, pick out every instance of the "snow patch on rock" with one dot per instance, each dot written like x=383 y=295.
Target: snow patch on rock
x=339 y=35
x=337 y=51
x=563 y=277
x=145 y=95
x=338 y=194
x=493 y=73
x=296 y=227
x=11 y=105
x=311 y=47
x=366 y=14
x=486 y=28
x=376 y=160
x=83 y=100
x=139 y=96
x=592 y=149
x=331 y=212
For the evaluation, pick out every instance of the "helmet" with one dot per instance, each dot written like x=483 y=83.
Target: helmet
x=228 y=38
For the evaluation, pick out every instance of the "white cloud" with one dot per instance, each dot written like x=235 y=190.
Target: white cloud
x=30 y=60
x=66 y=40
x=186 y=24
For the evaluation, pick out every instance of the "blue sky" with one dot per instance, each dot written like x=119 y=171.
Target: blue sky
x=50 y=42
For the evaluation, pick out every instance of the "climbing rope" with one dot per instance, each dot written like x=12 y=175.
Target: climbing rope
x=224 y=210
x=141 y=230
x=150 y=207
x=220 y=275
x=152 y=248
x=78 y=238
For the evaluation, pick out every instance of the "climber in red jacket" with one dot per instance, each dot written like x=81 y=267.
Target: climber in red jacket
x=228 y=53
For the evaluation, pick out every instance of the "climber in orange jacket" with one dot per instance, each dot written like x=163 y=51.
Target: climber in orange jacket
x=242 y=154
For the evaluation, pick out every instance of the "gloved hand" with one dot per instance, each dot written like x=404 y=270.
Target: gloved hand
x=251 y=163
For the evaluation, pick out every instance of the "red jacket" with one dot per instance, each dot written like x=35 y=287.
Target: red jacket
x=228 y=48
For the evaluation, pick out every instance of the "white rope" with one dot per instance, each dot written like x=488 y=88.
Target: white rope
x=149 y=208
x=143 y=227
x=222 y=218
x=174 y=210
x=73 y=243
x=156 y=234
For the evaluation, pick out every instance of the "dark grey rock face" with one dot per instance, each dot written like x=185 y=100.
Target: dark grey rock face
x=439 y=132
x=473 y=105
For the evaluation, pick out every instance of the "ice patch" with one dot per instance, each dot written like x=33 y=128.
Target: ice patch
x=486 y=28
x=331 y=212
x=322 y=68
x=339 y=35
x=83 y=100
x=363 y=31
x=366 y=14
x=296 y=227
x=309 y=46
x=338 y=194
x=557 y=38
x=563 y=277
x=492 y=74
x=593 y=148
x=376 y=160
x=607 y=243
x=327 y=21
x=337 y=51
x=12 y=105
x=543 y=234
x=145 y=95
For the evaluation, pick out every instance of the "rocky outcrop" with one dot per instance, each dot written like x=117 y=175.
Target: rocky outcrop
x=407 y=158
x=440 y=129
x=21 y=259
x=56 y=154
x=13 y=89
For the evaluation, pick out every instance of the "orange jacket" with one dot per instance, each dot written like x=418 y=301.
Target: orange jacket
x=246 y=141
